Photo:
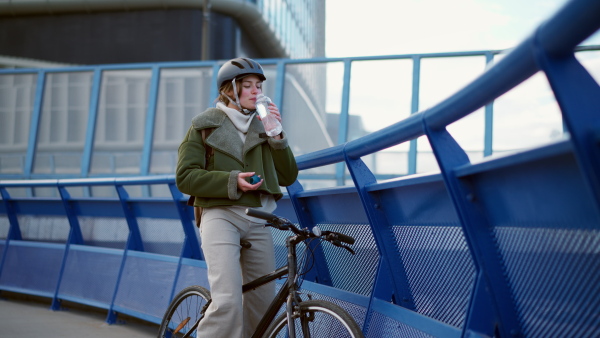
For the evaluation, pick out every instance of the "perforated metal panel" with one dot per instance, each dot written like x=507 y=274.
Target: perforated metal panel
x=142 y=285
x=191 y=275
x=32 y=268
x=90 y=275
x=357 y=312
x=439 y=269
x=550 y=271
x=354 y=273
x=383 y=326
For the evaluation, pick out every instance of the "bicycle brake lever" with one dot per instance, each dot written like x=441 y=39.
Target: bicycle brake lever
x=339 y=244
x=348 y=248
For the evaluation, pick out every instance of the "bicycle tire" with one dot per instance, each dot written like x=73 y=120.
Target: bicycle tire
x=183 y=312
x=323 y=319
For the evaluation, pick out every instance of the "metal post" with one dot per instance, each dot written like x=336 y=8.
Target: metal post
x=488 y=136
x=414 y=108
x=205 y=30
x=340 y=172
x=35 y=123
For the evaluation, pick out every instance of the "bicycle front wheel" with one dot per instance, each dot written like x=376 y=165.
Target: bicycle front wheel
x=181 y=317
x=317 y=318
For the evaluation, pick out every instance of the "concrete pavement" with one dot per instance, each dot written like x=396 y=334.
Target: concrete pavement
x=29 y=317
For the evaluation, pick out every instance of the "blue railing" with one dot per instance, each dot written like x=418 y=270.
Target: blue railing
x=507 y=246
x=127 y=120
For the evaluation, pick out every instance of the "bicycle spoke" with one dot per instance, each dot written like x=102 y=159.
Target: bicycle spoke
x=318 y=319
x=184 y=313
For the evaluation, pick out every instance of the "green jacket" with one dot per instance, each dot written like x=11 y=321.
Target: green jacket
x=215 y=183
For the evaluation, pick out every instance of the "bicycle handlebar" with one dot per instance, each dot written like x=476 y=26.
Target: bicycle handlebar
x=262 y=215
x=341 y=237
x=284 y=224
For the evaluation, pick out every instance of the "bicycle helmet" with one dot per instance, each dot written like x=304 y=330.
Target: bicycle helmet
x=239 y=66
x=236 y=69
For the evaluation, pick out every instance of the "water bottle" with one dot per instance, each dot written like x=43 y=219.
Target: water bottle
x=271 y=123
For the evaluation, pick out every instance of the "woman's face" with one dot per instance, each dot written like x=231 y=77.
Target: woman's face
x=250 y=88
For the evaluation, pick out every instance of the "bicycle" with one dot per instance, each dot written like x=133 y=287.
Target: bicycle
x=301 y=318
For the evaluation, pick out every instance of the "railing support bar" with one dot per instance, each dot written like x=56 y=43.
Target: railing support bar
x=484 y=250
x=321 y=273
x=382 y=233
x=578 y=96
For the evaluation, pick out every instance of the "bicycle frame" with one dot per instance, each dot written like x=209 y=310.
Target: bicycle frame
x=287 y=291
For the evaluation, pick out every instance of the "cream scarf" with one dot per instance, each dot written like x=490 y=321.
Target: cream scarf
x=239 y=120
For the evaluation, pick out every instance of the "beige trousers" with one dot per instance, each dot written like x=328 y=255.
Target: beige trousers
x=231 y=314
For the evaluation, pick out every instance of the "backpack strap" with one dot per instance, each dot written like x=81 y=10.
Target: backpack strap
x=208 y=153
x=208 y=149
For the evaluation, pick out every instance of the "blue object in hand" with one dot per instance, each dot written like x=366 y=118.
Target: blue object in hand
x=254 y=179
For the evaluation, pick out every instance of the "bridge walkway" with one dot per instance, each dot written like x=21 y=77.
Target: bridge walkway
x=29 y=317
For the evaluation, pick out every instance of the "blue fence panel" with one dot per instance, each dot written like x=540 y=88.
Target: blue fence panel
x=544 y=223
x=145 y=277
x=431 y=243
x=32 y=268
x=90 y=275
x=504 y=247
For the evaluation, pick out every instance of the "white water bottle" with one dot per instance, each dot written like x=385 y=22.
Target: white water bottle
x=271 y=123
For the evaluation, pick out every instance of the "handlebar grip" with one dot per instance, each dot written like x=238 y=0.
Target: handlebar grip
x=345 y=238
x=261 y=214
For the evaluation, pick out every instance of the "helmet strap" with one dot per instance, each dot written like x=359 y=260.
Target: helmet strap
x=230 y=99
x=237 y=100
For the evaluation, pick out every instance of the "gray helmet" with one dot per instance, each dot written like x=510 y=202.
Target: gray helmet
x=236 y=67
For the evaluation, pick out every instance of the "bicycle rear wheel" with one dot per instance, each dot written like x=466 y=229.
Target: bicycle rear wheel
x=318 y=319
x=183 y=313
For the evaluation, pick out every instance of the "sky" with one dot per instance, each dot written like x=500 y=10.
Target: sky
x=388 y=27
x=526 y=116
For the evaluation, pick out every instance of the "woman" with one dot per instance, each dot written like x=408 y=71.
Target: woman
x=222 y=150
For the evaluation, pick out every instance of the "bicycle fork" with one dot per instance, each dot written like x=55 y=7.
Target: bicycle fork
x=294 y=311
x=293 y=301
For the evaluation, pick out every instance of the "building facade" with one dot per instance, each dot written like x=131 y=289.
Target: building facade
x=108 y=88
x=109 y=31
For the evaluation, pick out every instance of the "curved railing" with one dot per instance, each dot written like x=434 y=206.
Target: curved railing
x=507 y=246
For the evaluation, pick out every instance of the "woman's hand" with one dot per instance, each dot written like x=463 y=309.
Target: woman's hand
x=244 y=185
x=275 y=111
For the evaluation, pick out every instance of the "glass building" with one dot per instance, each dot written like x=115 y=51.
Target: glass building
x=109 y=88
x=118 y=31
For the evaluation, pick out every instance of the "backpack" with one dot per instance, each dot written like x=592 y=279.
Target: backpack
x=208 y=153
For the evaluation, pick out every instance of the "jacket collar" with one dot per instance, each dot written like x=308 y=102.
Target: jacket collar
x=225 y=136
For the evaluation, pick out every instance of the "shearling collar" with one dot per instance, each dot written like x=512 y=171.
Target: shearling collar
x=225 y=136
